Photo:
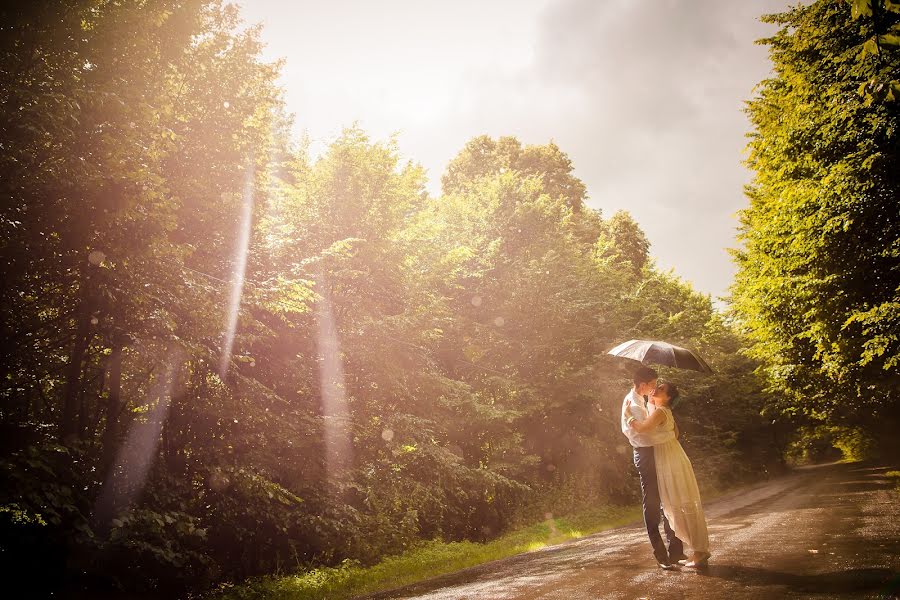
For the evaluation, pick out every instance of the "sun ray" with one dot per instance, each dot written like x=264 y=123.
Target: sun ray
x=335 y=412
x=126 y=479
x=239 y=266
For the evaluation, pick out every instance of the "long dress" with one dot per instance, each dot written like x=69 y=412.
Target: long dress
x=678 y=490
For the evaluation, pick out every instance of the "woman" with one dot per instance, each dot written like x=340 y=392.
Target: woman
x=677 y=483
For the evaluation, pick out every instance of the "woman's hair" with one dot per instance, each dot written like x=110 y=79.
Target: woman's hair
x=644 y=375
x=672 y=392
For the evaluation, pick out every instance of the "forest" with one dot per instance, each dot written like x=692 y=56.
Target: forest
x=225 y=357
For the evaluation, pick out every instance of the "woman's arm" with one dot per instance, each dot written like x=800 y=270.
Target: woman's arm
x=649 y=423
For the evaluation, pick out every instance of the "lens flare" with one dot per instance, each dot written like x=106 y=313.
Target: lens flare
x=126 y=479
x=335 y=413
x=239 y=266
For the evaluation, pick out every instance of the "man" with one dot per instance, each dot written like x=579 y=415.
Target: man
x=634 y=407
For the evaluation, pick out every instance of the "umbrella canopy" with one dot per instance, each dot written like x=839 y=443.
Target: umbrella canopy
x=661 y=353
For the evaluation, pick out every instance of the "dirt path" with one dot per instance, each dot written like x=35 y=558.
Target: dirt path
x=825 y=532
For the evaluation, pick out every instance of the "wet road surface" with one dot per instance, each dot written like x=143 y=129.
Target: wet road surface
x=824 y=532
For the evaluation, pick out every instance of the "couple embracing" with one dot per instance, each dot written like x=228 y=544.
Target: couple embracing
x=668 y=485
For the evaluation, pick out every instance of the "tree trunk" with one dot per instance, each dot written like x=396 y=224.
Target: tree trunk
x=69 y=425
x=82 y=411
x=113 y=405
x=173 y=438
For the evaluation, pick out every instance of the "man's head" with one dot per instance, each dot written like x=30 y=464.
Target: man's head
x=645 y=380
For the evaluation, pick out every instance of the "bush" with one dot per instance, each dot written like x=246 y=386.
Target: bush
x=821 y=443
x=854 y=443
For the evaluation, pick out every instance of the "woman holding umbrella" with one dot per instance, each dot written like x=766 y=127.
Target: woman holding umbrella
x=678 y=489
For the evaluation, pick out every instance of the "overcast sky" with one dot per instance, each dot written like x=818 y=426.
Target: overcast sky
x=645 y=96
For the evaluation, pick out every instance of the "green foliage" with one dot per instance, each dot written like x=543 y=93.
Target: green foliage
x=486 y=157
x=854 y=443
x=812 y=444
x=151 y=550
x=427 y=559
x=879 y=16
x=819 y=276
x=461 y=338
x=622 y=239
x=40 y=505
x=895 y=477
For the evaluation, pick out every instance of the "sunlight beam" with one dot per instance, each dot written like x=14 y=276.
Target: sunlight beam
x=125 y=481
x=239 y=266
x=335 y=412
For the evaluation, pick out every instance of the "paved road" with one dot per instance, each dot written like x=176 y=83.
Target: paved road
x=825 y=532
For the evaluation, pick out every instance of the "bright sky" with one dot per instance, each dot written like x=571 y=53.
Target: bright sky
x=645 y=96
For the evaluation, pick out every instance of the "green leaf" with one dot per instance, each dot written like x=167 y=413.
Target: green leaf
x=860 y=8
x=889 y=39
x=870 y=48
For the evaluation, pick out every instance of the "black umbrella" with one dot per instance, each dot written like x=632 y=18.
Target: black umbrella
x=661 y=353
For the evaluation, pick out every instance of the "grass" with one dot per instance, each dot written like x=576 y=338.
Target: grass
x=435 y=558
x=427 y=560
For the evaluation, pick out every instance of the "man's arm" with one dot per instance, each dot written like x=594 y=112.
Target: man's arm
x=627 y=412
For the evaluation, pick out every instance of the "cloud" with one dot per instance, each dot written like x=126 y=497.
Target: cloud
x=646 y=97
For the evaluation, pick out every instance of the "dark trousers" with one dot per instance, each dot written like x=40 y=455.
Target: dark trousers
x=653 y=514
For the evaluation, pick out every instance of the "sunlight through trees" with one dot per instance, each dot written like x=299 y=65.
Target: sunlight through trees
x=226 y=358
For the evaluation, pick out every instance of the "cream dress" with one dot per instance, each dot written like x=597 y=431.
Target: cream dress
x=678 y=490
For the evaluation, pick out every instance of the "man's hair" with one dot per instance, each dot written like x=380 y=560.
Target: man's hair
x=643 y=375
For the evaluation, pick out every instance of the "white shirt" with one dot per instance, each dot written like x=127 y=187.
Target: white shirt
x=633 y=406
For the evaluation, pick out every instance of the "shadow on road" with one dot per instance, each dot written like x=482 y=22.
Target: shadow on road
x=884 y=581
x=868 y=478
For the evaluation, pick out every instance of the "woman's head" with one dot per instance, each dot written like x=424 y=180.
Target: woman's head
x=666 y=394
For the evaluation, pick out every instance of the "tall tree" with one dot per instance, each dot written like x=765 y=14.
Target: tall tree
x=253 y=358
x=818 y=287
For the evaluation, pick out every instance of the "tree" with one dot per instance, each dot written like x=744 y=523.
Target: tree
x=127 y=133
x=874 y=59
x=484 y=156
x=819 y=283
x=227 y=356
x=624 y=240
